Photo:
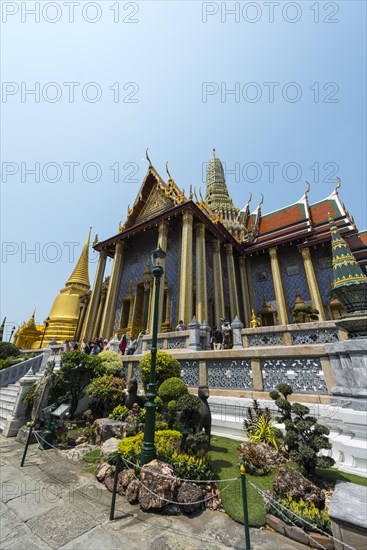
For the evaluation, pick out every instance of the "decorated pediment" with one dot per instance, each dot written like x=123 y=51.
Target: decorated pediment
x=154 y=197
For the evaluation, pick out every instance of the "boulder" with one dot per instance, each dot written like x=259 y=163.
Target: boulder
x=125 y=478
x=22 y=435
x=110 y=446
x=109 y=481
x=158 y=485
x=76 y=453
x=103 y=470
x=260 y=454
x=171 y=510
x=132 y=491
x=188 y=496
x=275 y=523
x=290 y=482
x=107 y=428
x=80 y=440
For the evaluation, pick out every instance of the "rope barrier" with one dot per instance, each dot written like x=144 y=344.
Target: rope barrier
x=277 y=503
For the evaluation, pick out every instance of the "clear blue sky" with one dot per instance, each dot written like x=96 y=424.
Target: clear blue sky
x=169 y=52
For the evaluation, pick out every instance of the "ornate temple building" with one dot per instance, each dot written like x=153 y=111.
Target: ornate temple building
x=220 y=262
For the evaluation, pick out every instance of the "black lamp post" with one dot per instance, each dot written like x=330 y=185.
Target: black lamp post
x=11 y=334
x=148 y=452
x=47 y=322
x=145 y=307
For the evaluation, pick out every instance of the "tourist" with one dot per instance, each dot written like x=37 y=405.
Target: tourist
x=66 y=346
x=123 y=344
x=217 y=339
x=181 y=325
x=226 y=330
x=95 y=348
x=106 y=345
x=133 y=344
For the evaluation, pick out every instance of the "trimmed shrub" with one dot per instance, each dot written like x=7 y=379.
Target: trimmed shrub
x=111 y=362
x=8 y=350
x=119 y=413
x=171 y=389
x=108 y=391
x=166 y=367
x=188 y=410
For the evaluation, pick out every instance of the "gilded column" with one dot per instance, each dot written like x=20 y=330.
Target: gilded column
x=162 y=242
x=201 y=287
x=111 y=299
x=278 y=287
x=91 y=315
x=232 y=283
x=245 y=291
x=217 y=283
x=102 y=302
x=185 y=296
x=312 y=283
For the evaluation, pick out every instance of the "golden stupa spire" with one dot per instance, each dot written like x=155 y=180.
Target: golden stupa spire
x=80 y=274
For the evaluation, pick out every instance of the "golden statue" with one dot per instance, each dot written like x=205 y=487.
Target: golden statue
x=254 y=320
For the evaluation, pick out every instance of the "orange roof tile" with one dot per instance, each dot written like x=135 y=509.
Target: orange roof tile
x=320 y=211
x=287 y=216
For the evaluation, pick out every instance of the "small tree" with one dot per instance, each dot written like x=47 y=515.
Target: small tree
x=111 y=362
x=304 y=437
x=167 y=366
x=77 y=370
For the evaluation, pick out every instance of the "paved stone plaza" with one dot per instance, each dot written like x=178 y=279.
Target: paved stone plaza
x=51 y=503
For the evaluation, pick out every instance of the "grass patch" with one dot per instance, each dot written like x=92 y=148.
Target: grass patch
x=92 y=457
x=332 y=474
x=226 y=465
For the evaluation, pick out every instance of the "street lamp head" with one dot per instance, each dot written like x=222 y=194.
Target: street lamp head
x=157 y=255
x=47 y=321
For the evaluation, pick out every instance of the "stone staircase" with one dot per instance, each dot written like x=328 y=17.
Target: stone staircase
x=8 y=398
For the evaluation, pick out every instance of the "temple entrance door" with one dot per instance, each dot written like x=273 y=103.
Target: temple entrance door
x=125 y=314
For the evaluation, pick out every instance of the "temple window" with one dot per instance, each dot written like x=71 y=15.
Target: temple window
x=325 y=263
x=292 y=270
x=261 y=276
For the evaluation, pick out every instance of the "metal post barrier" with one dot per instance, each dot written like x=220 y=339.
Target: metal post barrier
x=115 y=481
x=27 y=443
x=244 y=503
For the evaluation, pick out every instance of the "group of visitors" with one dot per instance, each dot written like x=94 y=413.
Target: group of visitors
x=221 y=339
x=127 y=344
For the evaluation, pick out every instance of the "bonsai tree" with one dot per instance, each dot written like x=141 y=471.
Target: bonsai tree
x=305 y=314
x=166 y=367
x=188 y=413
x=77 y=370
x=168 y=393
x=304 y=437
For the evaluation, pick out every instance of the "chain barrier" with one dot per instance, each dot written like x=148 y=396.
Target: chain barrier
x=277 y=503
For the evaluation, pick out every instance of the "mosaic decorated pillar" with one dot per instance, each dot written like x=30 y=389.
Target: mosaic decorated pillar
x=201 y=286
x=108 y=316
x=312 y=283
x=91 y=315
x=217 y=283
x=245 y=291
x=185 y=296
x=278 y=287
x=162 y=242
x=102 y=302
x=233 y=294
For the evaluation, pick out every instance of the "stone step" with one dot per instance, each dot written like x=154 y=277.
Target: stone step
x=11 y=399
x=9 y=391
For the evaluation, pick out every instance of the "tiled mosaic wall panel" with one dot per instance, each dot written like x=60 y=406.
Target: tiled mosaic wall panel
x=136 y=373
x=135 y=256
x=173 y=266
x=230 y=374
x=261 y=264
x=190 y=373
x=324 y=277
x=304 y=375
x=289 y=256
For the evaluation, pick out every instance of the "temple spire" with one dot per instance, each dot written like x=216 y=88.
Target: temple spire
x=217 y=195
x=346 y=270
x=80 y=274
